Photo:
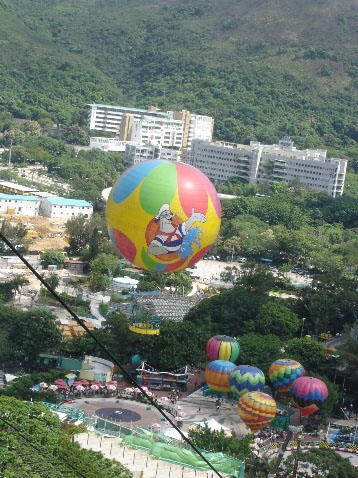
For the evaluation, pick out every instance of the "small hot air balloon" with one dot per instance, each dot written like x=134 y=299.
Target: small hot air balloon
x=222 y=347
x=256 y=410
x=308 y=394
x=217 y=375
x=246 y=378
x=283 y=373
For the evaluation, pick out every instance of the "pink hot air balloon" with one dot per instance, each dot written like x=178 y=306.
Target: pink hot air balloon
x=308 y=394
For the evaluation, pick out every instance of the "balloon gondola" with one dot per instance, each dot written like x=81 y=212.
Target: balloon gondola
x=163 y=216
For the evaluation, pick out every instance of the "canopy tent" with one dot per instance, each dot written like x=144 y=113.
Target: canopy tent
x=213 y=425
x=173 y=433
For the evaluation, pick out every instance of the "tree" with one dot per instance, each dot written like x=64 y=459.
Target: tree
x=74 y=134
x=308 y=352
x=98 y=281
x=277 y=319
x=179 y=344
x=77 y=230
x=218 y=441
x=57 y=447
x=16 y=235
x=14 y=135
x=53 y=257
x=321 y=463
x=53 y=280
x=33 y=128
x=259 y=350
x=104 y=264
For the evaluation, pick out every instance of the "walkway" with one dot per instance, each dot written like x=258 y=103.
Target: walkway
x=137 y=461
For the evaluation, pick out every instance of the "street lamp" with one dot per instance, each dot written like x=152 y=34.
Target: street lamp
x=303 y=321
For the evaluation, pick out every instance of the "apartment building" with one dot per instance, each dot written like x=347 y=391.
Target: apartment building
x=109 y=117
x=259 y=163
x=169 y=129
x=136 y=153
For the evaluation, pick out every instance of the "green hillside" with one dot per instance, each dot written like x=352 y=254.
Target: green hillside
x=263 y=68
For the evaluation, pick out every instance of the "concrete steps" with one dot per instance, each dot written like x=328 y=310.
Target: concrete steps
x=137 y=461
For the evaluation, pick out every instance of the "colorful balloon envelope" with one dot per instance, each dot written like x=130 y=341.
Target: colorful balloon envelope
x=163 y=216
x=222 y=347
x=283 y=373
x=308 y=394
x=257 y=410
x=246 y=378
x=217 y=375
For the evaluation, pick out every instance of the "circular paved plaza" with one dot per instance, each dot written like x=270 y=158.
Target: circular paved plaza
x=116 y=414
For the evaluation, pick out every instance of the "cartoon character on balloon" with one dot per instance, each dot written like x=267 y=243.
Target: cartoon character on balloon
x=167 y=235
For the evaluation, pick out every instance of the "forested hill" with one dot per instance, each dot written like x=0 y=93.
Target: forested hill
x=261 y=67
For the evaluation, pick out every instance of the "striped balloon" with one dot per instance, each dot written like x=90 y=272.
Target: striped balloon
x=308 y=394
x=256 y=410
x=217 y=375
x=283 y=373
x=246 y=378
x=222 y=347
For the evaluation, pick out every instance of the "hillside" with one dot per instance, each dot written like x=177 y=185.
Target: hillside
x=261 y=67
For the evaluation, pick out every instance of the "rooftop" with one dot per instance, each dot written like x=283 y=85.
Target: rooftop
x=19 y=187
x=57 y=201
x=18 y=197
x=125 y=108
x=169 y=307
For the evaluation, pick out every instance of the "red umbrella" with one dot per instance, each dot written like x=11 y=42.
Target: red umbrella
x=84 y=382
x=112 y=382
x=75 y=384
x=60 y=381
x=96 y=382
x=62 y=386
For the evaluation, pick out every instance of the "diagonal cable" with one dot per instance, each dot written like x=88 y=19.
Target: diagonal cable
x=105 y=349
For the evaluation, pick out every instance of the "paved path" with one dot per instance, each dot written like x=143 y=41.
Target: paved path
x=137 y=461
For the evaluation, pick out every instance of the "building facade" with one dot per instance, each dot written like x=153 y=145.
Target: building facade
x=259 y=163
x=19 y=204
x=167 y=129
x=65 y=208
x=135 y=154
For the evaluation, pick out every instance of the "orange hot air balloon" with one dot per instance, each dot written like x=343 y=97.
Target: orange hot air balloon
x=217 y=375
x=257 y=410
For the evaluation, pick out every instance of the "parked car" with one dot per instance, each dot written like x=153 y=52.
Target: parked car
x=241 y=260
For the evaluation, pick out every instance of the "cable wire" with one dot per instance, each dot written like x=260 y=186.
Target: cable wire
x=105 y=349
x=37 y=448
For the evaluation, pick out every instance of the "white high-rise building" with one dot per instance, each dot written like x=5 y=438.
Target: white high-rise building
x=259 y=163
x=109 y=117
x=169 y=129
x=136 y=153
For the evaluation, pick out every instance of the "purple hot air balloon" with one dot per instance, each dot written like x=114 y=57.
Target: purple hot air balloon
x=308 y=394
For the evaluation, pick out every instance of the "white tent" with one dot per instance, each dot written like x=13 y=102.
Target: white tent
x=10 y=377
x=213 y=425
x=173 y=433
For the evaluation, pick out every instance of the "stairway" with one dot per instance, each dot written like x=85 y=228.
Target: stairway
x=137 y=461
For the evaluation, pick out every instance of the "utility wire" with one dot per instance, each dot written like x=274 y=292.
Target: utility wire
x=105 y=349
x=37 y=448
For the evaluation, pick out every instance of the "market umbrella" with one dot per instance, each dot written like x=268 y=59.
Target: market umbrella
x=181 y=414
x=112 y=382
x=53 y=388
x=178 y=407
x=96 y=382
x=156 y=425
x=94 y=387
x=111 y=388
x=178 y=419
x=84 y=382
x=62 y=386
x=128 y=390
x=43 y=385
x=165 y=399
x=80 y=388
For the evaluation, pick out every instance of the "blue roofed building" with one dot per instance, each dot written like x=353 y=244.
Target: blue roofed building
x=19 y=204
x=57 y=207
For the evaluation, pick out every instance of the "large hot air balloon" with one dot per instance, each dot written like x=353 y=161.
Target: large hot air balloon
x=256 y=410
x=246 y=378
x=217 y=375
x=222 y=347
x=163 y=216
x=308 y=394
x=283 y=373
